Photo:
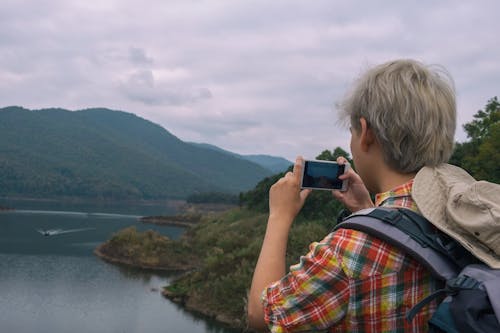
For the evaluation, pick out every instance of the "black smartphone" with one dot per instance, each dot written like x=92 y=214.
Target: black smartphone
x=323 y=175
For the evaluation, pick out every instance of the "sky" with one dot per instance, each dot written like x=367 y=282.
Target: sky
x=252 y=77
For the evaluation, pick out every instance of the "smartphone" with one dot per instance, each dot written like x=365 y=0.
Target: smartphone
x=323 y=175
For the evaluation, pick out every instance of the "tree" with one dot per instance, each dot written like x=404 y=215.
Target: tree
x=480 y=128
x=327 y=155
x=487 y=160
x=480 y=156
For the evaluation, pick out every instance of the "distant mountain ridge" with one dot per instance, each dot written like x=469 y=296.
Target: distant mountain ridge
x=109 y=154
x=274 y=163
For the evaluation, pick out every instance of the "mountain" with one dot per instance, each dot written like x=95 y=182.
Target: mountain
x=109 y=154
x=273 y=163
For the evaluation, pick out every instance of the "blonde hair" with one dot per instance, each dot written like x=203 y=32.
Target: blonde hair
x=412 y=110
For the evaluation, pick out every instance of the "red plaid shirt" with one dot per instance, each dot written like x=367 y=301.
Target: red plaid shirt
x=352 y=282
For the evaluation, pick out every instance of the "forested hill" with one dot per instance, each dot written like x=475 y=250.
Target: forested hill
x=109 y=154
x=273 y=163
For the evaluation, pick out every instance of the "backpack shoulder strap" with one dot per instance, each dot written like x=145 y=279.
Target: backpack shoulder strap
x=407 y=231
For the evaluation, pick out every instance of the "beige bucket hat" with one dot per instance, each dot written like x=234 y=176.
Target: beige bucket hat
x=465 y=209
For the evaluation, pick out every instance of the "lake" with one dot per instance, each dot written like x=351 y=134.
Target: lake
x=56 y=284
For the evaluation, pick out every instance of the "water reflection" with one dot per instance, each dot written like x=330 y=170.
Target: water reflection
x=56 y=284
x=211 y=324
x=142 y=274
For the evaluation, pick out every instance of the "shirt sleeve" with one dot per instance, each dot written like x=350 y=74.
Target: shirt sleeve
x=313 y=295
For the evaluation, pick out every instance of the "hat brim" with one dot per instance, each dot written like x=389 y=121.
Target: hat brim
x=431 y=192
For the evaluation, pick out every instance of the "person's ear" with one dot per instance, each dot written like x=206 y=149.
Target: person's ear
x=367 y=137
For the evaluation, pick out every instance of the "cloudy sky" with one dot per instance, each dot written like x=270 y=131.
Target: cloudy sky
x=248 y=76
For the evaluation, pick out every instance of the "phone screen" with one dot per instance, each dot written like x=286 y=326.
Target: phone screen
x=322 y=175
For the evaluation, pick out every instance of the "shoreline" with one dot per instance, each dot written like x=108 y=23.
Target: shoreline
x=184 y=302
x=176 y=205
x=190 y=214
x=187 y=221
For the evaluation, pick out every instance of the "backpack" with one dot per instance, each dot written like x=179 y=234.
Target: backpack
x=472 y=289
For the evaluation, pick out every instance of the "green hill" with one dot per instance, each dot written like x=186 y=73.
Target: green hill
x=274 y=163
x=101 y=153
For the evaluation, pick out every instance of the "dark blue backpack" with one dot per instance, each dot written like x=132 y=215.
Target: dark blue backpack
x=472 y=289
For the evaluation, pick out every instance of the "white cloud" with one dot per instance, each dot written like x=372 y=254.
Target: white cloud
x=252 y=77
x=141 y=86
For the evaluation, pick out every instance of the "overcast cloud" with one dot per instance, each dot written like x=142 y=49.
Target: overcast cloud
x=248 y=76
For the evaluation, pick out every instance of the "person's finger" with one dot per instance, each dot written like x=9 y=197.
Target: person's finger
x=297 y=168
x=281 y=181
x=344 y=176
x=342 y=160
x=304 y=193
x=350 y=174
x=338 y=195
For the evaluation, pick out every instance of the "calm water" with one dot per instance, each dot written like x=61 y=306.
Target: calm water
x=56 y=284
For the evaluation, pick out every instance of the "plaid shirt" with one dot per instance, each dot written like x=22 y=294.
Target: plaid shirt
x=352 y=282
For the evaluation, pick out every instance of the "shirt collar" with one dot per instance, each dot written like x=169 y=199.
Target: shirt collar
x=398 y=196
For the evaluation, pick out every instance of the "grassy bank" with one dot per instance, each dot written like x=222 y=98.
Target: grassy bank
x=218 y=254
x=148 y=250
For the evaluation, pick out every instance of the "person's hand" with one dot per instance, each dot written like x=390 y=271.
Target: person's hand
x=357 y=196
x=285 y=201
x=285 y=197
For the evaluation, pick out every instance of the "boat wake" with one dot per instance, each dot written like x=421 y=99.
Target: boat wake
x=53 y=232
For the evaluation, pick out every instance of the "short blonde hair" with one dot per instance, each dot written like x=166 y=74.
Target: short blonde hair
x=412 y=110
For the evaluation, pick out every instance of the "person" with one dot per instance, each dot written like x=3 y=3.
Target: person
x=402 y=117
